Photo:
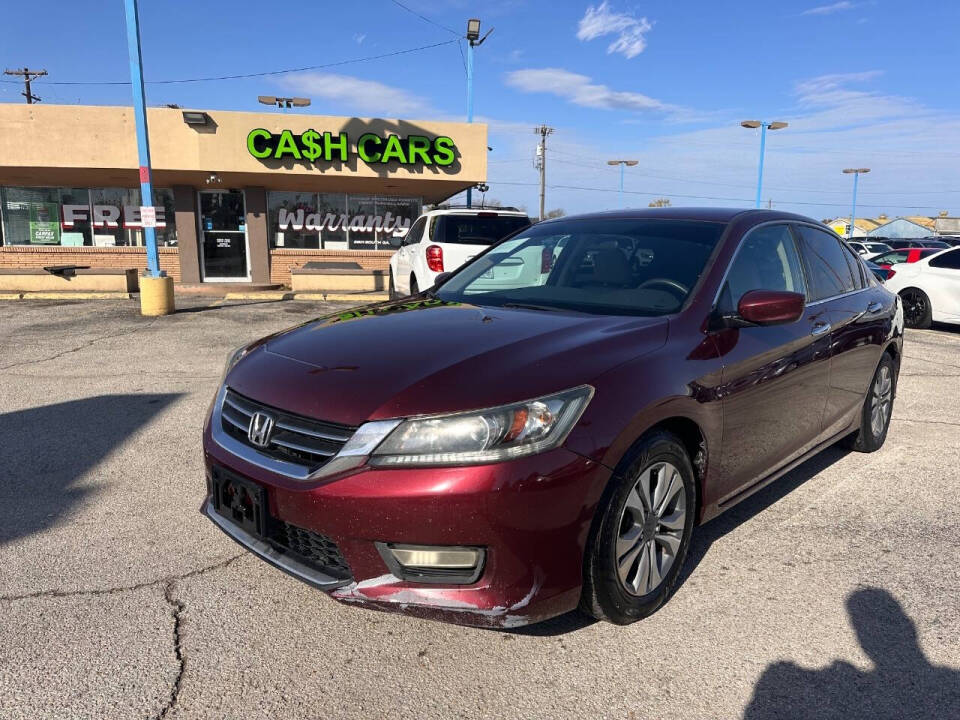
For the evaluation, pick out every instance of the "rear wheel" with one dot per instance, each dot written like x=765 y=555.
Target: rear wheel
x=640 y=540
x=413 y=285
x=917 y=311
x=877 y=409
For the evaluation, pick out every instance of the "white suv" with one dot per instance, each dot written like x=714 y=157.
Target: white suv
x=444 y=239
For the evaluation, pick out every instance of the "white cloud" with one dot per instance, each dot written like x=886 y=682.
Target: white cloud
x=358 y=38
x=359 y=96
x=580 y=90
x=601 y=20
x=830 y=9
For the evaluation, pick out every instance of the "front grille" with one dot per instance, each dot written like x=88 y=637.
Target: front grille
x=295 y=439
x=314 y=548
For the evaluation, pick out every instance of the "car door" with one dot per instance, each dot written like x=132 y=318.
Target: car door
x=774 y=377
x=940 y=279
x=859 y=312
x=405 y=256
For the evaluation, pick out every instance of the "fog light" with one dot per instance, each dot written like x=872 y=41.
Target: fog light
x=433 y=563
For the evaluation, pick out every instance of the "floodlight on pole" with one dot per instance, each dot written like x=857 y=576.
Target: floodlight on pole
x=856 y=172
x=622 y=164
x=473 y=40
x=764 y=126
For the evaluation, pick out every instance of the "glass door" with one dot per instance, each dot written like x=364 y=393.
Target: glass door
x=223 y=229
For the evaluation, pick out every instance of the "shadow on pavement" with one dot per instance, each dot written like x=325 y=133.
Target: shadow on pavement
x=45 y=450
x=903 y=683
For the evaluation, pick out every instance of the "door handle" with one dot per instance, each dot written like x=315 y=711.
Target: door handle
x=820 y=328
x=874 y=307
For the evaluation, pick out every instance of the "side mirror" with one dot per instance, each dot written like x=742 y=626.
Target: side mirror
x=441 y=278
x=771 y=307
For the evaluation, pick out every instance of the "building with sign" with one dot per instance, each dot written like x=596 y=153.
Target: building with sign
x=239 y=197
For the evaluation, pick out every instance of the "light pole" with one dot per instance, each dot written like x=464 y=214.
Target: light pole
x=753 y=125
x=853 y=211
x=473 y=40
x=622 y=163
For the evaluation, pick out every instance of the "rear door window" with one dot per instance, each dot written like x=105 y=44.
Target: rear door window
x=950 y=260
x=484 y=229
x=828 y=273
x=416 y=232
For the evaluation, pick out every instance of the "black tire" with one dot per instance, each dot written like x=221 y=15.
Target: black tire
x=868 y=439
x=391 y=288
x=917 y=310
x=605 y=596
x=414 y=289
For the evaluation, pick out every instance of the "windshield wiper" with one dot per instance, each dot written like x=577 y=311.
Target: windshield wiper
x=529 y=306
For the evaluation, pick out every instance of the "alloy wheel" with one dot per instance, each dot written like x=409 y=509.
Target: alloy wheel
x=881 y=397
x=651 y=528
x=914 y=308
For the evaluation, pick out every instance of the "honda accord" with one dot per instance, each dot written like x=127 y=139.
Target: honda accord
x=543 y=429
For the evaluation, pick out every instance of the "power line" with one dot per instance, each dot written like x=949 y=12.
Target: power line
x=702 y=197
x=425 y=18
x=252 y=75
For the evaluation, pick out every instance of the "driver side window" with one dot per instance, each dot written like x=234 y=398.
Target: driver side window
x=766 y=260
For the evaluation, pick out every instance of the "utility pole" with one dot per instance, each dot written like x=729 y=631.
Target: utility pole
x=542 y=131
x=28 y=75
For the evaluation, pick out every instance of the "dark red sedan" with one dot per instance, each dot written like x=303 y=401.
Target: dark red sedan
x=544 y=428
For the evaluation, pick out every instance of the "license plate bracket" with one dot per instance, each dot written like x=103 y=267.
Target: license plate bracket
x=241 y=502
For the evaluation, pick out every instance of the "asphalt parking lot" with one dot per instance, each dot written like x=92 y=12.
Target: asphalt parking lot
x=832 y=593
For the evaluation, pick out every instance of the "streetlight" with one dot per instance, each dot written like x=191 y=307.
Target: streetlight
x=283 y=102
x=622 y=163
x=753 y=125
x=853 y=212
x=473 y=40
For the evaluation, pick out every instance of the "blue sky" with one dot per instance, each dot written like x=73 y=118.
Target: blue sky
x=869 y=83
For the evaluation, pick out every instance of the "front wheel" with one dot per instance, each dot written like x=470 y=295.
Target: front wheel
x=639 y=544
x=917 y=311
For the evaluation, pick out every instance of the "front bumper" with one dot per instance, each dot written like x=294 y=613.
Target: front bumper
x=532 y=516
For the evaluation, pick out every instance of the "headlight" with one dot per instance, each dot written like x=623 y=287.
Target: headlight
x=484 y=436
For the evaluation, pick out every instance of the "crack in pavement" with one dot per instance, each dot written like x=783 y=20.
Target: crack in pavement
x=928 y=422
x=82 y=346
x=177 y=608
x=55 y=593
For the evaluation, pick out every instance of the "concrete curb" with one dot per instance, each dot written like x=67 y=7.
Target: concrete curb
x=67 y=296
x=360 y=299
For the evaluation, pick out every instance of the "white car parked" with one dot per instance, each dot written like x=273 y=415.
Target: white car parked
x=929 y=288
x=868 y=249
x=444 y=239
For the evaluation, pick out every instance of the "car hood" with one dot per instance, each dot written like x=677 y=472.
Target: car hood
x=431 y=356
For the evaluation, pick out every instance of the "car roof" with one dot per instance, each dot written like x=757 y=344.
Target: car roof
x=706 y=214
x=475 y=211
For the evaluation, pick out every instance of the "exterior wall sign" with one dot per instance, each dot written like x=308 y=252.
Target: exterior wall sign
x=373 y=149
x=108 y=216
x=315 y=222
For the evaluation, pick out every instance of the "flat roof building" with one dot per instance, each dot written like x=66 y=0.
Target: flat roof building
x=240 y=197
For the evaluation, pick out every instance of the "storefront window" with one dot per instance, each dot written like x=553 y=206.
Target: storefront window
x=333 y=234
x=288 y=215
x=74 y=217
x=336 y=221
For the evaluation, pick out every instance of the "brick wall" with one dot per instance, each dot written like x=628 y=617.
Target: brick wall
x=281 y=261
x=32 y=256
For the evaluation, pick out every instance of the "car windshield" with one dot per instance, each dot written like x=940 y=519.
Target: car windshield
x=935 y=244
x=480 y=229
x=616 y=266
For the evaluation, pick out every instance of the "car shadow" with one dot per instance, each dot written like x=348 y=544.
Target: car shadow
x=707 y=534
x=902 y=684
x=45 y=450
